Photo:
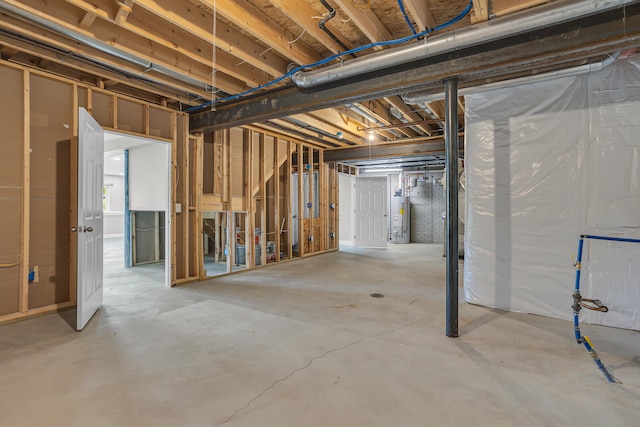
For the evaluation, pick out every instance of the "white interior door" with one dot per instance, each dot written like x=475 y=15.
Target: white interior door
x=371 y=212
x=90 y=181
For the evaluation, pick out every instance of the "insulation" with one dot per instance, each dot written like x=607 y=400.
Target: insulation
x=160 y=123
x=545 y=163
x=11 y=135
x=49 y=245
x=130 y=116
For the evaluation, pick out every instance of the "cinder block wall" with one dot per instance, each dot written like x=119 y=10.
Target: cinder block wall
x=427 y=205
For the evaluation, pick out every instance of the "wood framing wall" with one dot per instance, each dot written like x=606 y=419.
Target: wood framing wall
x=249 y=170
x=244 y=175
x=38 y=181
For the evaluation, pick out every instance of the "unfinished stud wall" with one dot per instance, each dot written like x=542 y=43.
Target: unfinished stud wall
x=12 y=188
x=254 y=173
x=38 y=181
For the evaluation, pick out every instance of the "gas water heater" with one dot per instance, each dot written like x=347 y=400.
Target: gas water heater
x=400 y=224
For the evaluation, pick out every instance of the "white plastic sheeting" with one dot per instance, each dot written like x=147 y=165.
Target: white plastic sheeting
x=545 y=163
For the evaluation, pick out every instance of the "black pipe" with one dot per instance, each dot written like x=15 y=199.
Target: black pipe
x=451 y=158
x=330 y=16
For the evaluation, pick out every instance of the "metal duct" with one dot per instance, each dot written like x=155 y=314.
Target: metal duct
x=521 y=22
x=427 y=97
x=103 y=47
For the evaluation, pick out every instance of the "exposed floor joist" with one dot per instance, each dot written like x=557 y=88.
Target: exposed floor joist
x=598 y=34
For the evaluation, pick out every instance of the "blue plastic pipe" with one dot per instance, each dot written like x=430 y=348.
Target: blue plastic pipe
x=614 y=239
x=576 y=307
x=576 y=291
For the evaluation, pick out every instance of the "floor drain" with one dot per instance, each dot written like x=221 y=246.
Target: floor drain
x=377 y=295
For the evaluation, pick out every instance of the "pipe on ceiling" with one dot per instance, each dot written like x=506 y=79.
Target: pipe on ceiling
x=101 y=46
x=539 y=17
x=425 y=98
x=330 y=16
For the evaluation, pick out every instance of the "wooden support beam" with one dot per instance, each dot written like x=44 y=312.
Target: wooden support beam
x=505 y=7
x=323 y=208
x=421 y=13
x=408 y=112
x=381 y=113
x=73 y=198
x=191 y=19
x=7 y=52
x=341 y=119
x=348 y=138
x=170 y=56
x=170 y=50
x=88 y=19
x=301 y=204
x=366 y=20
x=263 y=199
x=288 y=198
x=124 y=9
x=247 y=142
x=336 y=209
x=227 y=197
x=174 y=198
x=480 y=11
x=196 y=193
x=253 y=21
x=311 y=202
x=16 y=26
x=186 y=178
x=276 y=196
x=23 y=299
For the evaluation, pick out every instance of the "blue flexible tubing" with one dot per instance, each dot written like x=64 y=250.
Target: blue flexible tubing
x=336 y=56
x=406 y=17
x=576 y=310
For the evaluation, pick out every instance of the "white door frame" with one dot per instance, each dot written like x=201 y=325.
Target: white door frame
x=168 y=232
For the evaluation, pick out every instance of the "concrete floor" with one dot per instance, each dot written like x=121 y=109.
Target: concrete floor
x=303 y=344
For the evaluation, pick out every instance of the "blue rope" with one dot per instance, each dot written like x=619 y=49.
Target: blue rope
x=336 y=56
x=406 y=17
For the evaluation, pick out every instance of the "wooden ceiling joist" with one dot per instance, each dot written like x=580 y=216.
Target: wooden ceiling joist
x=180 y=42
x=408 y=113
x=421 y=13
x=124 y=9
x=88 y=19
x=253 y=21
x=303 y=14
x=366 y=20
x=190 y=19
x=45 y=37
x=480 y=11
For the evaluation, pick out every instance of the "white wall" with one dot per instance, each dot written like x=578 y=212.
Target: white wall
x=148 y=177
x=114 y=217
x=346 y=205
x=546 y=163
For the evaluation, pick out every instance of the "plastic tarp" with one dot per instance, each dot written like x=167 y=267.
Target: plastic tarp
x=545 y=163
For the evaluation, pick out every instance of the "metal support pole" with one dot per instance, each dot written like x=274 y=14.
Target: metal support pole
x=128 y=247
x=451 y=155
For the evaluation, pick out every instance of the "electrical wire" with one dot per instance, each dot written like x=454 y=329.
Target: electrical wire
x=337 y=56
x=13 y=264
x=406 y=17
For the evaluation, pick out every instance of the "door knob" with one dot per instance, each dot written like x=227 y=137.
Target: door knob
x=74 y=229
x=88 y=229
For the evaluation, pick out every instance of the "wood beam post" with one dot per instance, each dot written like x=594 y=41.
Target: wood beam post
x=276 y=196
x=301 y=206
x=23 y=301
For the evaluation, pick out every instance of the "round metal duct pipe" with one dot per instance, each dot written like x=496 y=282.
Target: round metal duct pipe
x=521 y=22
